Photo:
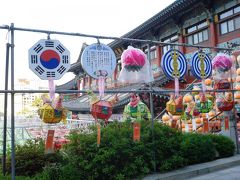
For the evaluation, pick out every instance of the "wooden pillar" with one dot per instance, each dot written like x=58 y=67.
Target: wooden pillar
x=84 y=80
x=159 y=55
x=89 y=82
x=181 y=39
x=212 y=33
x=79 y=81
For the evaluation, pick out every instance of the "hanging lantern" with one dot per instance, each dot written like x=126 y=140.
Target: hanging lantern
x=133 y=59
x=136 y=110
x=225 y=104
x=187 y=98
x=222 y=84
x=50 y=114
x=135 y=66
x=204 y=105
x=222 y=62
x=208 y=82
x=165 y=117
x=238 y=59
x=175 y=106
x=101 y=110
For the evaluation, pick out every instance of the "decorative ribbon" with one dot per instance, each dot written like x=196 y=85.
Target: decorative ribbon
x=205 y=125
x=51 y=89
x=101 y=86
x=98 y=134
x=203 y=86
x=49 y=142
x=176 y=86
x=136 y=131
x=226 y=123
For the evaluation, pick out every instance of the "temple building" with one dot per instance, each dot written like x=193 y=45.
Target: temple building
x=213 y=23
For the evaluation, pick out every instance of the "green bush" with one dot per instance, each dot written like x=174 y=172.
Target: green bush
x=118 y=156
x=30 y=158
x=224 y=145
x=197 y=148
x=167 y=147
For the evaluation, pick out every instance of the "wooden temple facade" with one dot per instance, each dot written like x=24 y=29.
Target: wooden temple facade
x=214 y=23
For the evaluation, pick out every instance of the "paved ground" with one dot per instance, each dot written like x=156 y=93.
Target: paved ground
x=226 y=174
x=221 y=169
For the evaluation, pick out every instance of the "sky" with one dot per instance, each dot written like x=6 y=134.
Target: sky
x=93 y=17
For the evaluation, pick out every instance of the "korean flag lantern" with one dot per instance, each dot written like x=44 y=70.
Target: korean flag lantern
x=49 y=60
x=135 y=67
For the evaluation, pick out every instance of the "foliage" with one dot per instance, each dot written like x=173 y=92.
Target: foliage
x=197 y=148
x=224 y=145
x=17 y=177
x=118 y=156
x=167 y=147
x=30 y=158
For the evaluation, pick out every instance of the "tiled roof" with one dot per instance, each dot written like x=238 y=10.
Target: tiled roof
x=72 y=84
x=82 y=103
x=177 y=7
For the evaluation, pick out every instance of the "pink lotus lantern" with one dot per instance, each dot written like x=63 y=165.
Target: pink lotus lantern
x=222 y=62
x=135 y=67
x=133 y=59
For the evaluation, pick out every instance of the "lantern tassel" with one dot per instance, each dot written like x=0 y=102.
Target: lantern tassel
x=51 y=89
x=101 y=86
x=203 y=86
x=176 y=87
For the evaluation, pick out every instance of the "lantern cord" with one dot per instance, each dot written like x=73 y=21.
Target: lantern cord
x=98 y=41
x=48 y=36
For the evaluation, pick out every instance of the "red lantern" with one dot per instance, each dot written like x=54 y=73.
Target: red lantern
x=224 y=105
x=222 y=84
x=101 y=110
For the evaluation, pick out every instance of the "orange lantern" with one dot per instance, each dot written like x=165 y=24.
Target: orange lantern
x=238 y=70
x=238 y=79
x=211 y=113
x=208 y=82
x=187 y=98
x=165 y=117
x=237 y=95
x=198 y=120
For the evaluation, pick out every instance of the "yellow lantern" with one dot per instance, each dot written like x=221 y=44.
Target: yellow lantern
x=50 y=115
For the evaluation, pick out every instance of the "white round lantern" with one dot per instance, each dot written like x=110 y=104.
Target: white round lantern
x=98 y=60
